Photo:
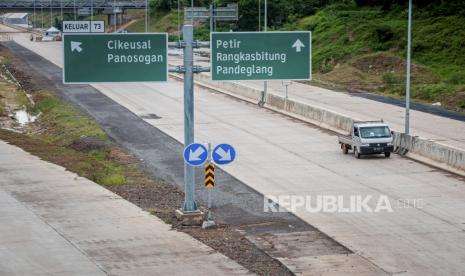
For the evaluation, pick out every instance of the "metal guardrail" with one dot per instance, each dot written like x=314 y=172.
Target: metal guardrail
x=58 y=4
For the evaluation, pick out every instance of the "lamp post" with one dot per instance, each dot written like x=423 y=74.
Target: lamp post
x=146 y=15
x=407 y=90
x=265 y=84
x=92 y=10
x=33 y=21
x=179 y=21
x=114 y=15
x=42 y=14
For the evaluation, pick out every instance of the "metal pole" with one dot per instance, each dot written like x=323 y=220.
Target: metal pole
x=51 y=14
x=114 y=16
x=407 y=92
x=179 y=21
x=146 y=15
x=192 y=18
x=189 y=173
x=33 y=22
x=266 y=15
x=214 y=17
x=42 y=14
x=209 y=216
x=211 y=18
x=259 y=15
x=265 y=84
x=209 y=191
x=75 y=10
x=61 y=8
x=92 y=10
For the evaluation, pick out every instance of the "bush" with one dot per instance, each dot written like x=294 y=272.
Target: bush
x=384 y=35
x=162 y=6
x=456 y=78
x=326 y=68
x=430 y=92
x=391 y=79
x=112 y=180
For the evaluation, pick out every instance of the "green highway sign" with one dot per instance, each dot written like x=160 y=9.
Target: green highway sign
x=135 y=57
x=260 y=56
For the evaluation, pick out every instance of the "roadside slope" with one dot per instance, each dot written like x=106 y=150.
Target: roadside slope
x=363 y=48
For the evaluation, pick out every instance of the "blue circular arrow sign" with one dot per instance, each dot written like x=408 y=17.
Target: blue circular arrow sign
x=195 y=154
x=223 y=154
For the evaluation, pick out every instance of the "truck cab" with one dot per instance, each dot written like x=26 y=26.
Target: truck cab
x=372 y=138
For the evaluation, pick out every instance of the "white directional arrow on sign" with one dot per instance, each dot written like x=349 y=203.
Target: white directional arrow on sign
x=298 y=45
x=76 y=46
x=224 y=155
x=195 y=155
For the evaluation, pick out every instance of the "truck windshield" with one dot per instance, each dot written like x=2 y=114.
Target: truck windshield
x=375 y=132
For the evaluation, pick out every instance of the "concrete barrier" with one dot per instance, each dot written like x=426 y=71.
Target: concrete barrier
x=316 y=115
x=252 y=94
x=424 y=150
x=446 y=157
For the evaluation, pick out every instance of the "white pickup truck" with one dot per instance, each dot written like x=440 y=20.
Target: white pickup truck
x=368 y=137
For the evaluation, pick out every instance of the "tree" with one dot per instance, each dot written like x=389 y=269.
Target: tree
x=57 y=24
x=162 y=6
x=278 y=11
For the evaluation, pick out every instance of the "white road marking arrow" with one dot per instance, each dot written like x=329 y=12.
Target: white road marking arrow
x=194 y=155
x=224 y=155
x=76 y=46
x=297 y=45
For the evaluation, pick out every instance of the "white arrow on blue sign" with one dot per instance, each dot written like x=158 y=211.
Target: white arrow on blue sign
x=195 y=154
x=223 y=154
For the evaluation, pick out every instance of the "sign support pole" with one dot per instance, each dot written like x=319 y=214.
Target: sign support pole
x=189 y=173
x=211 y=18
x=209 y=191
x=146 y=15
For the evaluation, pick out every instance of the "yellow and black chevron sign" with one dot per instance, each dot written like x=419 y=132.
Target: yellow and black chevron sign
x=209 y=175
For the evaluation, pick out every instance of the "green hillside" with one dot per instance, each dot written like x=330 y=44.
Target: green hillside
x=360 y=44
x=364 y=49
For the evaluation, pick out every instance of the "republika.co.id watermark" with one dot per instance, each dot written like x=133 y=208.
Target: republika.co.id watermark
x=337 y=203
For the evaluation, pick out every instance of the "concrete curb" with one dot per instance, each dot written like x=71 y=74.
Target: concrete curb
x=426 y=151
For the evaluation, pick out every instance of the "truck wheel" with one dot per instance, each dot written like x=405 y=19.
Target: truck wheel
x=344 y=148
x=387 y=154
x=356 y=153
